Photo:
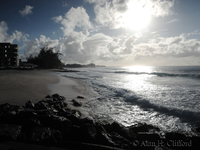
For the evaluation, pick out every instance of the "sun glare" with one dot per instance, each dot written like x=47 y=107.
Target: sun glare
x=146 y=69
x=137 y=16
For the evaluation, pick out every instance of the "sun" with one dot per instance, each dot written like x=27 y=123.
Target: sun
x=137 y=16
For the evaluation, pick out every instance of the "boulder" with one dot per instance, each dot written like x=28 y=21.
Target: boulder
x=140 y=127
x=58 y=97
x=60 y=123
x=41 y=106
x=81 y=97
x=88 y=132
x=30 y=105
x=40 y=135
x=175 y=136
x=48 y=96
x=9 y=132
x=76 y=103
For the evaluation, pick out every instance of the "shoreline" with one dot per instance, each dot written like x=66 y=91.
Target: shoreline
x=58 y=114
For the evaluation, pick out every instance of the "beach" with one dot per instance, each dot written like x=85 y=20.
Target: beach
x=27 y=114
x=19 y=86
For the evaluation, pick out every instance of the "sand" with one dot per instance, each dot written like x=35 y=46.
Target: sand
x=19 y=86
x=70 y=88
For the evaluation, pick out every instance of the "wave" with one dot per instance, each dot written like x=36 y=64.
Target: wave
x=185 y=115
x=196 y=76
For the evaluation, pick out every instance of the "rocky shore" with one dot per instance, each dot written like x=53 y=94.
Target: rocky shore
x=52 y=123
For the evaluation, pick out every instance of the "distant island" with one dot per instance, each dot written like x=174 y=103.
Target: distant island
x=81 y=66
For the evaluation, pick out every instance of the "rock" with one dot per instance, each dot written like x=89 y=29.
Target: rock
x=9 y=132
x=24 y=114
x=30 y=123
x=139 y=128
x=58 y=97
x=198 y=129
x=88 y=132
x=7 y=107
x=41 y=105
x=104 y=138
x=175 y=136
x=118 y=128
x=41 y=135
x=120 y=141
x=30 y=105
x=152 y=137
x=76 y=103
x=48 y=96
x=60 y=123
x=58 y=104
x=81 y=97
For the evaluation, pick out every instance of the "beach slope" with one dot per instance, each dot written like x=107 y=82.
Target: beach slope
x=19 y=86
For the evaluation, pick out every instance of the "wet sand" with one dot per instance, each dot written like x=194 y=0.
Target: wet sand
x=19 y=86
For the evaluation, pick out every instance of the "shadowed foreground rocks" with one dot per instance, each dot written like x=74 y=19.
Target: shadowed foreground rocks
x=50 y=122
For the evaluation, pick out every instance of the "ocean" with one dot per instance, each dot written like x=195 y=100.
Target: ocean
x=167 y=97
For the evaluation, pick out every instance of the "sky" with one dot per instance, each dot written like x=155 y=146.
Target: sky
x=106 y=32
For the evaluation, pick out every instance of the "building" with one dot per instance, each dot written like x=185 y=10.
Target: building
x=9 y=56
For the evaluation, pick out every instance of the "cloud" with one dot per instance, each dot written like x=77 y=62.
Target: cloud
x=5 y=37
x=178 y=46
x=173 y=20
x=74 y=20
x=110 y=13
x=26 y=11
x=33 y=47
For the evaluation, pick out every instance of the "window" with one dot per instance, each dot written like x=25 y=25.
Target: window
x=5 y=51
x=5 y=46
x=5 y=55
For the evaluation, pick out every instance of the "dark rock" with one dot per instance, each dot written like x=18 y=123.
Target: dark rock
x=74 y=134
x=24 y=114
x=175 y=136
x=61 y=123
x=58 y=104
x=152 y=137
x=104 y=138
x=58 y=97
x=198 y=129
x=88 y=132
x=48 y=96
x=139 y=128
x=41 y=105
x=81 y=97
x=120 y=141
x=118 y=128
x=29 y=123
x=7 y=107
x=40 y=135
x=30 y=105
x=9 y=132
x=76 y=103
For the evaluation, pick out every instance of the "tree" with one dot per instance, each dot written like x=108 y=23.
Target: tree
x=46 y=59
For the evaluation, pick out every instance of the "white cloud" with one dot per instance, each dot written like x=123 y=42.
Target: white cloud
x=3 y=31
x=33 y=47
x=173 y=20
x=26 y=11
x=74 y=20
x=5 y=37
x=110 y=13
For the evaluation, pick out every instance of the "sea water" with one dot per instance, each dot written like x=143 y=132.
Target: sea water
x=167 y=97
